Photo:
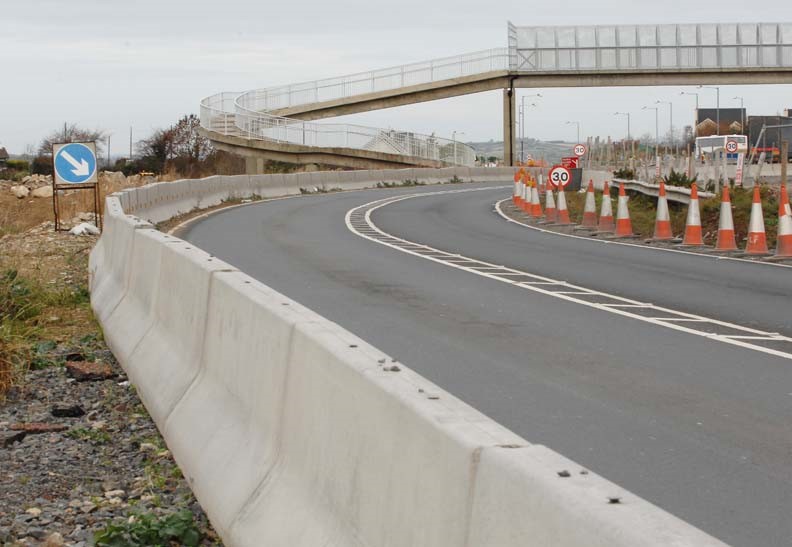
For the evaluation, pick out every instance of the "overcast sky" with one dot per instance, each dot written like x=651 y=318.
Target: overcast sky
x=109 y=64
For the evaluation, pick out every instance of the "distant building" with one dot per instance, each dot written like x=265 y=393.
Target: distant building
x=3 y=157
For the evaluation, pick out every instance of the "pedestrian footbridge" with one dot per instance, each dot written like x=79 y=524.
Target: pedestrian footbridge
x=279 y=123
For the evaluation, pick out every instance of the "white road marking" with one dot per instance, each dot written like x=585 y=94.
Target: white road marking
x=361 y=216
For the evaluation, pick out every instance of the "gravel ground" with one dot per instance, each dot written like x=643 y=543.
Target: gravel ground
x=58 y=488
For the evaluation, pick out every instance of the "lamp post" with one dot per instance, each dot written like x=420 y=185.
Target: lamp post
x=522 y=123
x=629 y=136
x=670 y=118
x=717 y=107
x=578 y=130
x=695 y=125
x=742 y=113
x=657 y=127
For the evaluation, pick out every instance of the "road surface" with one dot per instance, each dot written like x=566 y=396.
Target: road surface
x=700 y=427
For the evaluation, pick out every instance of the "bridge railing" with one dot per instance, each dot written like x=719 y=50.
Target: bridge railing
x=657 y=48
x=220 y=113
x=329 y=89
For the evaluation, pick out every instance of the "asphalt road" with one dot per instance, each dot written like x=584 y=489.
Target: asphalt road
x=699 y=427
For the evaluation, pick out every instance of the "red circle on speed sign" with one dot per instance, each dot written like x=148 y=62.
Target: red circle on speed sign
x=580 y=150
x=560 y=176
x=732 y=146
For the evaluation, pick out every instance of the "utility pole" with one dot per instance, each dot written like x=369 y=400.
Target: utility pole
x=695 y=125
x=742 y=114
x=578 y=130
x=130 y=143
x=717 y=107
x=629 y=135
x=522 y=123
x=670 y=118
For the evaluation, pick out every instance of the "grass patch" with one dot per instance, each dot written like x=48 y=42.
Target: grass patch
x=27 y=331
x=146 y=530
x=95 y=436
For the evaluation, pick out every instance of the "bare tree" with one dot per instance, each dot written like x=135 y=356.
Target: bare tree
x=70 y=133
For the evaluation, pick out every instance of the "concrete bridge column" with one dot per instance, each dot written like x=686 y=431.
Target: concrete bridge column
x=509 y=122
x=254 y=166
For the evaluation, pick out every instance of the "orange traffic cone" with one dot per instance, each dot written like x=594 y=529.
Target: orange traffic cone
x=662 y=229
x=623 y=224
x=784 y=239
x=525 y=196
x=757 y=240
x=590 y=208
x=516 y=195
x=726 y=241
x=563 y=212
x=536 y=205
x=693 y=222
x=551 y=215
x=606 y=212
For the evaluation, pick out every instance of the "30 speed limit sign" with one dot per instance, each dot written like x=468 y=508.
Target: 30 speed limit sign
x=580 y=150
x=731 y=147
x=560 y=176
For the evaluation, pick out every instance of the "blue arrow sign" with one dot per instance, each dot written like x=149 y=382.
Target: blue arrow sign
x=75 y=163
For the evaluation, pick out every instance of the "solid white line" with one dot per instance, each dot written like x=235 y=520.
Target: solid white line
x=627 y=244
x=618 y=309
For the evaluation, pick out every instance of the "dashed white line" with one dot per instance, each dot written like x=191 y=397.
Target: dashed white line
x=668 y=318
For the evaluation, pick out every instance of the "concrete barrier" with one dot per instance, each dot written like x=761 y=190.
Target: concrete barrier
x=294 y=432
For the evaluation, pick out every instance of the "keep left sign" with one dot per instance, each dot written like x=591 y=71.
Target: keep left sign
x=75 y=163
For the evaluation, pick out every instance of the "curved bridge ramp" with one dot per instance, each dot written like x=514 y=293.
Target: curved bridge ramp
x=294 y=432
x=275 y=122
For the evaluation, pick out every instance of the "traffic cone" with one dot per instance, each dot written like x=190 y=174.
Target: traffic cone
x=551 y=215
x=606 y=212
x=693 y=222
x=662 y=229
x=623 y=224
x=536 y=205
x=757 y=240
x=590 y=208
x=726 y=241
x=784 y=238
x=525 y=197
x=562 y=211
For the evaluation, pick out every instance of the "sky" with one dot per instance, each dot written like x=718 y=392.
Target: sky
x=112 y=65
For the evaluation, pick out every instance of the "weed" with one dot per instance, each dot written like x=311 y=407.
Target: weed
x=147 y=530
x=96 y=436
x=624 y=173
x=455 y=180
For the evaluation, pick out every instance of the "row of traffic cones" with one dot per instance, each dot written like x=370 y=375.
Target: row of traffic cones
x=528 y=197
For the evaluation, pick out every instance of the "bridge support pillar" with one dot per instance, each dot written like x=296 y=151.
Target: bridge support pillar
x=509 y=122
x=254 y=166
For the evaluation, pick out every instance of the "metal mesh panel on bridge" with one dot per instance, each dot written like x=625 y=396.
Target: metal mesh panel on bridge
x=651 y=47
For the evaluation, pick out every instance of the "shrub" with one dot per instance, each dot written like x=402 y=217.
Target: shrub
x=678 y=178
x=624 y=173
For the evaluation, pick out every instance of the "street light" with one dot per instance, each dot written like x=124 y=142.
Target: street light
x=717 y=107
x=657 y=126
x=629 y=137
x=670 y=118
x=522 y=122
x=695 y=125
x=742 y=113
x=578 y=130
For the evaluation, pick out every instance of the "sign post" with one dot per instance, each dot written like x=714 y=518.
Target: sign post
x=560 y=176
x=738 y=177
x=74 y=167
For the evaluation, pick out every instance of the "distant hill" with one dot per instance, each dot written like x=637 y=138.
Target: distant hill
x=551 y=151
